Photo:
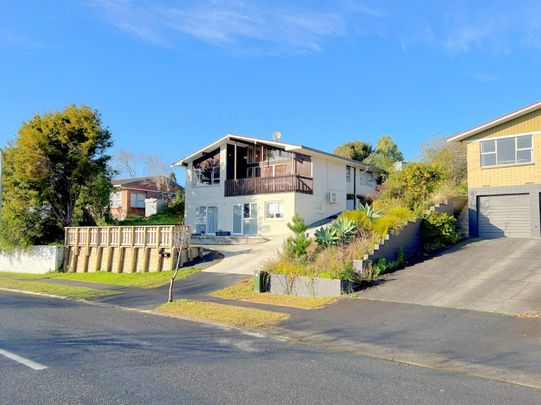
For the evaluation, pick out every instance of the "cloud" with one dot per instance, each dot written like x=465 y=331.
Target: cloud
x=278 y=27
x=237 y=24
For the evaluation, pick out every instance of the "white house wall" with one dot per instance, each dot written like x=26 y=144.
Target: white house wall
x=328 y=175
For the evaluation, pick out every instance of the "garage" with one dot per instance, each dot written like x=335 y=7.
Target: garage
x=504 y=215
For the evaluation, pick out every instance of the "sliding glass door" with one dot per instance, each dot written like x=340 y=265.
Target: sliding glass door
x=245 y=219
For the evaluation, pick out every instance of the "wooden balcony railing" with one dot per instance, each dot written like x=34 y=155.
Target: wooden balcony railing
x=269 y=185
x=157 y=236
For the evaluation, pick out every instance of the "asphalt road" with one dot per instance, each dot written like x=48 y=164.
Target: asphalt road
x=103 y=355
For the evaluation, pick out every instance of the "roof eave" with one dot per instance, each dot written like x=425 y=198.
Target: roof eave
x=491 y=124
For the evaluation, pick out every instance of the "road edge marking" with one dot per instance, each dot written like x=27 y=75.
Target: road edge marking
x=22 y=360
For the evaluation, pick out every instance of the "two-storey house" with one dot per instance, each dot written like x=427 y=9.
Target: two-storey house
x=251 y=186
x=504 y=175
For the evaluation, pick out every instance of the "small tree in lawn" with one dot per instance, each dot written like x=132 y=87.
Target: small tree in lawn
x=182 y=238
x=297 y=245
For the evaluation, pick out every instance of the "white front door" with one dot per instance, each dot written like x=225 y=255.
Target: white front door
x=245 y=219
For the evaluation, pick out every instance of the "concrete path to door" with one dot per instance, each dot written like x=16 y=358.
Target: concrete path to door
x=245 y=259
x=494 y=275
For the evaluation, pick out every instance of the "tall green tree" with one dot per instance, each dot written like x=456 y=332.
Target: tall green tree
x=385 y=154
x=56 y=174
x=357 y=150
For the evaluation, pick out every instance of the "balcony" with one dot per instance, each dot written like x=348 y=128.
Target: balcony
x=268 y=185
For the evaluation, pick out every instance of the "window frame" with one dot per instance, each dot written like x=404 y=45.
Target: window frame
x=516 y=150
x=275 y=204
x=137 y=195
x=348 y=174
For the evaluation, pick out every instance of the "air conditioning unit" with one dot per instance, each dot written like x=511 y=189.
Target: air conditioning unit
x=332 y=196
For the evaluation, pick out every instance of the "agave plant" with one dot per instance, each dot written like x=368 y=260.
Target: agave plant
x=326 y=236
x=345 y=229
x=371 y=213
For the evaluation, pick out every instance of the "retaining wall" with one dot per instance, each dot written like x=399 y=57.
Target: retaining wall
x=37 y=260
x=409 y=239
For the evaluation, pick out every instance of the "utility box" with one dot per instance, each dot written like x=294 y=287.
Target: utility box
x=153 y=206
x=261 y=281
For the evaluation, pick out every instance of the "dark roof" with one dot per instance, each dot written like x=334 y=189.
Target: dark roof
x=139 y=180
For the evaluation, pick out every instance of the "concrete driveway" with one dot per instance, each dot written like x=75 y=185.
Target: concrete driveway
x=245 y=259
x=493 y=275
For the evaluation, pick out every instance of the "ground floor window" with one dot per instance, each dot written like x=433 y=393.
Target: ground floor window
x=206 y=219
x=274 y=209
x=245 y=219
x=137 y=200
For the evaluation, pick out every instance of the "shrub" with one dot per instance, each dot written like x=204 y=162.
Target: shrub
x=370 y=212
x=383 y=266
x=288 y=265
x=359 y=218
x=413 y=185
x=345 y=229
x=326 y=236
x=439 y=230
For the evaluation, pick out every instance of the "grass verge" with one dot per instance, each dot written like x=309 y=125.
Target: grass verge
x=226 y=314
x=244 y=292
x=138 y=280
x=54 y=289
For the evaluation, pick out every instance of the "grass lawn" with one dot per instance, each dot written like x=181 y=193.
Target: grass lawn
x=9 y=274
x=139 y=280
x=161 y=218
x=226 y=314
x=244 y=292
x=54 y=289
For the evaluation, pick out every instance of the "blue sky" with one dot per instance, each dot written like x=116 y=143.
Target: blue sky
x=171 y=76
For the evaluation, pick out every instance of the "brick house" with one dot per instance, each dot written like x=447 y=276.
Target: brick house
x=129 y=195
x=504 y=175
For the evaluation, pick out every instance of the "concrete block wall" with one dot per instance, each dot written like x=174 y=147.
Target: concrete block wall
x=409 y=239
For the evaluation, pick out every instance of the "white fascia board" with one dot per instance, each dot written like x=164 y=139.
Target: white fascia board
x=498 y=121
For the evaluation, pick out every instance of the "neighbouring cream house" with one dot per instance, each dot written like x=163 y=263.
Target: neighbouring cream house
x=504 y=175
x=251 y=186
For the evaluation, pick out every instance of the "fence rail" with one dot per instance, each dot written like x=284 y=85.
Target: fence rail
x=157 y=236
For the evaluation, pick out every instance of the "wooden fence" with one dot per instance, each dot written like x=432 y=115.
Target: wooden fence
x=124 y=248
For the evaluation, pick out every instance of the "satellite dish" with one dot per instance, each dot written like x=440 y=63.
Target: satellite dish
x=276 y=136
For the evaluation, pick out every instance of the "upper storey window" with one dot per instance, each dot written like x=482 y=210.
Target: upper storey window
x=206 y=169
x=506 y=151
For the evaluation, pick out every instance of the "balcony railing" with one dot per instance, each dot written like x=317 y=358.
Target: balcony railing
x=268 y=185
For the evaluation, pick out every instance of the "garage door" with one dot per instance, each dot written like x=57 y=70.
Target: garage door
x=504 y=215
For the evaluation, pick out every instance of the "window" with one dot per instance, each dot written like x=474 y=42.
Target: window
x=207 y=176
x=253 y=172
x=116 y=199
x=138 y=200
x=274 y=209
x=348 y=174
x=506 y=151
x=280 y=170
